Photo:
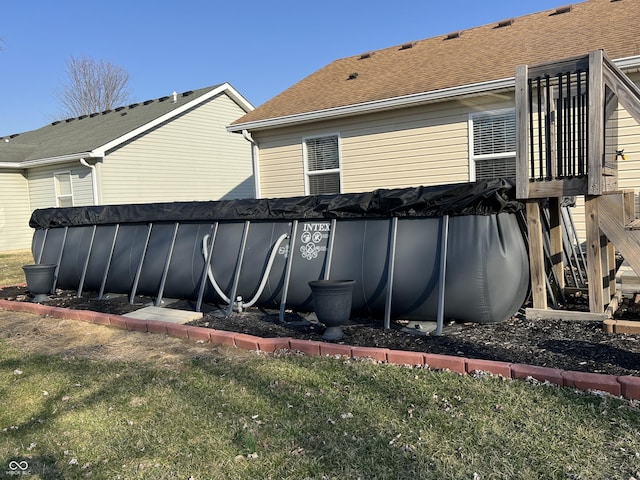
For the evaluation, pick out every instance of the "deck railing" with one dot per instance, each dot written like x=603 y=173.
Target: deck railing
x=565 y=123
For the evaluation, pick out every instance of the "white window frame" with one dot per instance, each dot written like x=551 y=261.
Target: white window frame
x=58 y=194
x=305 y=161
x=472 y=157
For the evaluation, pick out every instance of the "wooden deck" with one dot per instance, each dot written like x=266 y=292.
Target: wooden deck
x=563 y=110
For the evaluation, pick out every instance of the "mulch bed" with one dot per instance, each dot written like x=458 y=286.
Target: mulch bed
x=567 y=345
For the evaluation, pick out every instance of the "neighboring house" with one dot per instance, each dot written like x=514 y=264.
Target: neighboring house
x=432 y=111
x=175 y=148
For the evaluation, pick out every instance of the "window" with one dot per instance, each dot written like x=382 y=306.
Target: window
x=322 y=165
x=493 y=144
x=64 y=190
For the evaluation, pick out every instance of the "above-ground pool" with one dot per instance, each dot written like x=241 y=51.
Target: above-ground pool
x=398 y=246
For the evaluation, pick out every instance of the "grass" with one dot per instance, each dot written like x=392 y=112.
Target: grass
x=11 y=266
x=296 y=417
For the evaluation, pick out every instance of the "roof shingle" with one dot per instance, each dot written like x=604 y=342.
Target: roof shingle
x=481 y=54
x=88 y=132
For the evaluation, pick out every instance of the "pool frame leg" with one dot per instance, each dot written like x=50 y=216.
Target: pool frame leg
x=329 y=259
x=444 y=241
x=393 y=234
x=108 y=266
x=207 y=261
x=86 y=263
x=236 y=277
x=136 y=280
x=287 y=274
x=165 y=271
x=55 y=276
x=44 y=240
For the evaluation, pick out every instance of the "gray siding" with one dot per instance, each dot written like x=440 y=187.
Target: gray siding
x=192 y=157
x=15 y=233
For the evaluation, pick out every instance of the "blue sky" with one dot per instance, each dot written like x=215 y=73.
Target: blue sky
x=259 y=47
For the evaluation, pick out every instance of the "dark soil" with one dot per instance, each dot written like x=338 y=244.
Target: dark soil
x=567 y=345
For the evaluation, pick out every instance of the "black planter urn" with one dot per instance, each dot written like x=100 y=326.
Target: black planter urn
x=39 y=280
x=332 y=304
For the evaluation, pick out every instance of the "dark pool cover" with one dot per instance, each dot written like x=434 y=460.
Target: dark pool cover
x=480 y=198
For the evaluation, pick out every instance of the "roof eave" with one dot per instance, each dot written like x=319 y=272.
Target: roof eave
x=398 y=102
x=43 y=162
x=376 y=106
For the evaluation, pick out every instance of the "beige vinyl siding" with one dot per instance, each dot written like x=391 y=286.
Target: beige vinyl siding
x=427 y=145
x=192 y=157
x=42 y=189
x=418 y=148
x=15 y=233
x=281 y=166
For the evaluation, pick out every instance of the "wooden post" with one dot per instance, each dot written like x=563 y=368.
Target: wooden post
x=610 y=161
x=595 y=134
x=628 y=206
x=522 y=132
x=611 y=253
x=536 y=256
x=555 y=240
x=594 y=261
x=607 y=293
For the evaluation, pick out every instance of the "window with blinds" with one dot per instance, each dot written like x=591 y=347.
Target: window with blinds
x=64 y=190
x=322 y=165
x=493 y=144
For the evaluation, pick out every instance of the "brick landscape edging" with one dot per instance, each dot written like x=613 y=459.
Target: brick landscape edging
x=627 y=386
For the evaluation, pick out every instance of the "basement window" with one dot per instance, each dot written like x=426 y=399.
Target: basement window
x=492 y=144
x=322 y=165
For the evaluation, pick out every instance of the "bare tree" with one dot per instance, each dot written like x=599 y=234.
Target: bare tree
x=92 y=86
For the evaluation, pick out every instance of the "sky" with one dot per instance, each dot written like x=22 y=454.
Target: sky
x=260 y=47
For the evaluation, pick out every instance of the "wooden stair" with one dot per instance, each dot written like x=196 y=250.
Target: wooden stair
x=620 y=227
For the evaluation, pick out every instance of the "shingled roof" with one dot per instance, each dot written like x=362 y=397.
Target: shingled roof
x=93 y=135
x=469 y=57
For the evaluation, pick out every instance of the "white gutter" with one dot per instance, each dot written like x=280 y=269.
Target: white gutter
x=628 y=62
x=399 y=102
x=42 y=162
x=94 y=179
x=255 y=161
x=11 y=165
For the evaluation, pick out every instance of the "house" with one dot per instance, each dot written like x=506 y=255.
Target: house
x=174 y=148
x=433 y=111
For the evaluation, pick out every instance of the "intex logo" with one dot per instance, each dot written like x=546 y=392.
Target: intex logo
x=317 y=227
x=18 y=467
x=312 y=235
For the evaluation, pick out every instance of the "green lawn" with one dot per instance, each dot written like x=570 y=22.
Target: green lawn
x=295 y=417
x=290 y=416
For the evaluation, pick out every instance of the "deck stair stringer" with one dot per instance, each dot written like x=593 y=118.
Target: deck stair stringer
x=619 y=229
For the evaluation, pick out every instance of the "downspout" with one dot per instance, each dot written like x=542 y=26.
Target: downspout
x=94 y=179
x=254 y=160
